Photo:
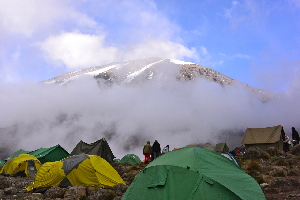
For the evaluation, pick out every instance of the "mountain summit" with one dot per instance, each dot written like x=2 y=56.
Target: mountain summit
x=138 y=71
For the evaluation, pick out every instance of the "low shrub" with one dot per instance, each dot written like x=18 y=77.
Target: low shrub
x=253 y=166
x=259 y=179
x=281 y=162
x=279 y=173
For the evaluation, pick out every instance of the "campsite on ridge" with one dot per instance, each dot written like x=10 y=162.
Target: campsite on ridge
x=215 y=173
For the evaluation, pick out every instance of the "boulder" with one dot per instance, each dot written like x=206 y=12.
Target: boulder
x=10 y=191
x=55 y=192
x=273 y=151
x=264 y=185
x=296 y=150
x=75 y=192
x=106 y=194
x=255 y=153
x=91 y=191
x=120 y=186
x=4 y=182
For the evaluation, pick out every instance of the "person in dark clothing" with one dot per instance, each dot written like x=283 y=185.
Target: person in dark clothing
x=155 y=149
x=285 y=141
x=282 y=134
x=295 y=136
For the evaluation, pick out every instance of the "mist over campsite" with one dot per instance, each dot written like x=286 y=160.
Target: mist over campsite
x=130 y=113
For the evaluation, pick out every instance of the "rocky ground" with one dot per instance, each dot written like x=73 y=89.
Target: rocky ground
x=277 y=173
x=12 y=187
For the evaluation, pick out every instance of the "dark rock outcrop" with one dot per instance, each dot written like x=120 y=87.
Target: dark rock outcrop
x=255 y=153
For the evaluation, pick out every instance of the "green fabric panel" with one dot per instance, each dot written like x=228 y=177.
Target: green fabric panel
x=21 y=151
x=51 y=154
x=99 y=148
x=162 y=182
x=117 y=160
x=221 y=148
x=211 y=165
x=130 y=158
x=2 y=163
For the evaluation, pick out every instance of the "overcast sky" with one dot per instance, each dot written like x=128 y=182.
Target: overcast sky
x=254 y=41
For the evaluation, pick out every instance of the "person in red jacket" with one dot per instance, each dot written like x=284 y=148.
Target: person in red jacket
x=147 y=151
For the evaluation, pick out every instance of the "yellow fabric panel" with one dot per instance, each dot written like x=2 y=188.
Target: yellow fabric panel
x=13 y=167
x=106 y=174
x=2 y=168
x=50 y=174
x=84 y=175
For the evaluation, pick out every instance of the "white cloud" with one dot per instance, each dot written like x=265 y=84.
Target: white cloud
x=228 y=12
x=158 y=48
x=77 y=50
x=27 y=17
x=242 y=56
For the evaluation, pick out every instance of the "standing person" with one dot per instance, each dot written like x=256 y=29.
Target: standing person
x=165 y=149
x=282 y=134
x=286 y=144
x=147 y=151
x=155 y=149
x=295 y=136
x=285 y=141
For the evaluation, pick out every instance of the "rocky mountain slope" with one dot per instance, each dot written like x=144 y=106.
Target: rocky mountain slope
x=138 y=71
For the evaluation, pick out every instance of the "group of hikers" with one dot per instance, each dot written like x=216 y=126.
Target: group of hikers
x=286 y=139
x=154 y=151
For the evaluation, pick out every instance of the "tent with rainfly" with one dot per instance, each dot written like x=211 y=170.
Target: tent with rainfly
x=99 y=148
x=21 y=151
x=51 y=154
x=79 y=170
x=193 y=173
x=221 y=148
x=208 y=146
x=21 y=164
x=131 y=159
x=202 y=145
x=263 y=138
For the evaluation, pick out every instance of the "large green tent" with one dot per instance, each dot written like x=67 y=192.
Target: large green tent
x=51 y=154
x=130 y=158
x=21 y=151
x=99 y=148
x=193 y=173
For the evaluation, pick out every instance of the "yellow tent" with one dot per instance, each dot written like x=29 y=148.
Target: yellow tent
x=79 y=170
x=22 y=163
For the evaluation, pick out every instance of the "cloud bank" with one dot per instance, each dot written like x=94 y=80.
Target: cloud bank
x=175 y=113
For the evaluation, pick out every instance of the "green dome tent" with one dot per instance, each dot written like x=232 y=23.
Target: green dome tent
x=130 y=158
x=116 y=160
x=193 y=173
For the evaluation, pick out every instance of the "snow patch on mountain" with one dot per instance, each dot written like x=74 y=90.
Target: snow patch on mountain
x=131 y=76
